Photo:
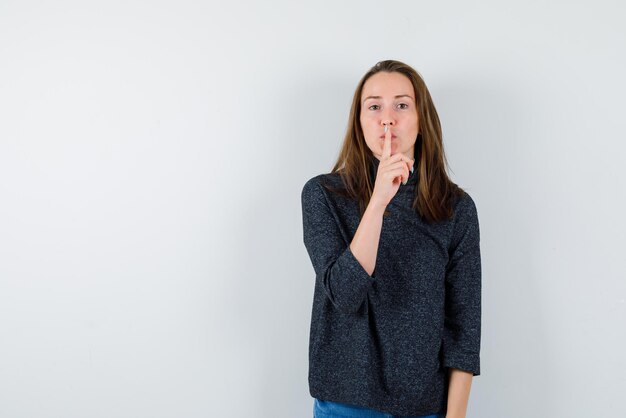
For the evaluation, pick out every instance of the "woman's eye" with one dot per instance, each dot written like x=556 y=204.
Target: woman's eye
x=403 y=104
x=376 y=106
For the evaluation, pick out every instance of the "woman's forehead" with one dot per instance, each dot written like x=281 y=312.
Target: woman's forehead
x=383 y=85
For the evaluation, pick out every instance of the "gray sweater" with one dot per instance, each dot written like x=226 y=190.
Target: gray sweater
x=385 y=341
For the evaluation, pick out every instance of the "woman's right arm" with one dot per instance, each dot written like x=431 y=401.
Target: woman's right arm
x=364 y=245
x=337 y=270
x=341 y=272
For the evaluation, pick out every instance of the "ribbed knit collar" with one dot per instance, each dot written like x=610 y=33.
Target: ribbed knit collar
x=374 y=162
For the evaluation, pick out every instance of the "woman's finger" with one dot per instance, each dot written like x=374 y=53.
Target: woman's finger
x=387 y=145
x=401 y=157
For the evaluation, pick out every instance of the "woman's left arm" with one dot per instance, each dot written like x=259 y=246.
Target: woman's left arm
x=461 y=337
x=458 y=393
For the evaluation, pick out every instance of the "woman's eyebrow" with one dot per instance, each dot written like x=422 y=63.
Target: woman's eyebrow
x=398 y=96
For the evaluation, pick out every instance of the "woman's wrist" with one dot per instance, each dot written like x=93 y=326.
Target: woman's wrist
x=376 y=206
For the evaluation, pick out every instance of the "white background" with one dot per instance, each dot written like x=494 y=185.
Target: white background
x=152 y=155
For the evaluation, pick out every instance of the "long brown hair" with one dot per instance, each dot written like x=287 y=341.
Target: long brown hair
x=435 y=192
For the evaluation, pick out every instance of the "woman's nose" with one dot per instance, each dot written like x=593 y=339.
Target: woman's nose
x=387 y=119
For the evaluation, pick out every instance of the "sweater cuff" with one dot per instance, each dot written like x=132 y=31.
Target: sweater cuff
x=467 y=363
x=351 y=282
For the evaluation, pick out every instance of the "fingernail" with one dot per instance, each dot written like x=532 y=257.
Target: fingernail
x=404 y=182
x=412 y=168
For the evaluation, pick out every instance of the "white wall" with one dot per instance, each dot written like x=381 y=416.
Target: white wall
x=152 y=156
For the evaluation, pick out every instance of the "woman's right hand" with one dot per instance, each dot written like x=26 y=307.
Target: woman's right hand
x=392 y=170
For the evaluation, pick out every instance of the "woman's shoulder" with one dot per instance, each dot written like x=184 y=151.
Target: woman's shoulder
x=464 y=200
x=318 y=183
x=465 y=208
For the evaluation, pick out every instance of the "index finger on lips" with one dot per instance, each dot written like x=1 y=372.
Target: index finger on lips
x=387 y=145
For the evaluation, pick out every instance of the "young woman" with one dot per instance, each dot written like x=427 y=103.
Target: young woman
x=395 y=324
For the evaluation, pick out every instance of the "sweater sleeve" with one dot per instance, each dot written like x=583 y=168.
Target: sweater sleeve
x=461 y=341
x=344 y=279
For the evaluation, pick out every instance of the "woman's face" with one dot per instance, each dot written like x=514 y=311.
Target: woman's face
x=388 y=98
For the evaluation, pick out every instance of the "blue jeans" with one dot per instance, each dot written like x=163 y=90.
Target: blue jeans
x=328 y=409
